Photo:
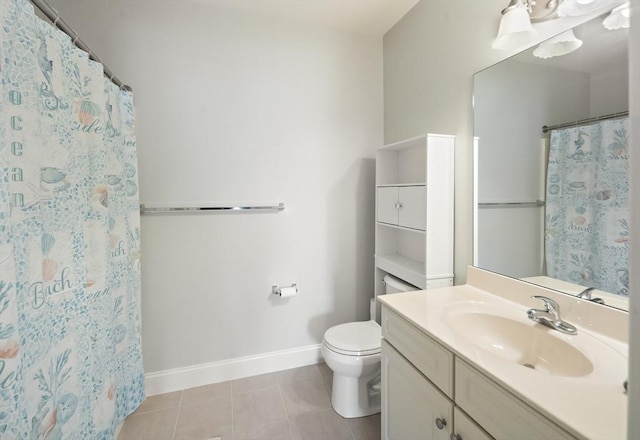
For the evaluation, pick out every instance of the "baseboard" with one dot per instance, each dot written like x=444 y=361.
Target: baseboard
x=176 y=379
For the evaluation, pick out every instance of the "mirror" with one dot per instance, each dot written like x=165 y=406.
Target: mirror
x=535 y=192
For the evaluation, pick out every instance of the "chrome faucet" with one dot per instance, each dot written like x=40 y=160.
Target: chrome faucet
x=550 y=316
x=586 y=294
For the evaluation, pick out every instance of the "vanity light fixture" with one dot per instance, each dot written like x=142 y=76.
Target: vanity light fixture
x=618 y=18
x=516 y=29
x=557 y=46
x=575 y=8
x=515 y=26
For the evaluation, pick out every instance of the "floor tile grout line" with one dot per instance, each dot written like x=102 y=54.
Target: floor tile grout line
x=233 y=405
x=289 y=418
x=175 y=426
x=353 y=436
x=284 y=403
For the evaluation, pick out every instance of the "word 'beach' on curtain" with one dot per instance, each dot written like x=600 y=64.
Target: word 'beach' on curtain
x=587 y=206
x=70 y=354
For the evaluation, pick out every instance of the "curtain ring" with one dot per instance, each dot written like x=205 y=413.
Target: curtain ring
x=55 y=22
x=75 y=37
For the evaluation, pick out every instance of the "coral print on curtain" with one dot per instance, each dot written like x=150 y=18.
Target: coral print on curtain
x=587 y=208
x=70 y=354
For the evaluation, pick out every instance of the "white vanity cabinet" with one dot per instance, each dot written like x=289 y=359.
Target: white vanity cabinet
x=413 y=407
x=429 y=393
x=414 y=211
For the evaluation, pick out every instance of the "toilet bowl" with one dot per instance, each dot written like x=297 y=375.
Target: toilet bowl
x=352 y=352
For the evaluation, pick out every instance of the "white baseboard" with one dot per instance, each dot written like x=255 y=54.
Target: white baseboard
x=176 y=379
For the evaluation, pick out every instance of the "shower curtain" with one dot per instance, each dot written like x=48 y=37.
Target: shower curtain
x=70 y=354
x=587 y=206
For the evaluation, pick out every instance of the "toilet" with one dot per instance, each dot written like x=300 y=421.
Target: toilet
x=352 y=352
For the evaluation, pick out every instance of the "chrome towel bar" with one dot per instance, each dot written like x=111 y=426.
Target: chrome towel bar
x=527 y=204
x=242 y=208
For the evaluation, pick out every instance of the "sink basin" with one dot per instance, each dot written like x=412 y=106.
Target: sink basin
x=522 y=342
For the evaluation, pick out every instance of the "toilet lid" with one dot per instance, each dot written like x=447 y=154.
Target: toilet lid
x=354 y=338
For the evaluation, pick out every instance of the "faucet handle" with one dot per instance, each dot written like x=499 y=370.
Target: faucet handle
x=586 y=293
x=549 y=304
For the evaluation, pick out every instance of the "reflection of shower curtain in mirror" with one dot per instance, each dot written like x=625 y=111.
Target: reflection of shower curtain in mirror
x=587 y=206
x=70 y=355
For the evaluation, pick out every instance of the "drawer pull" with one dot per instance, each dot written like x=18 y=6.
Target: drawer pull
x=441 y=423
x=455 y=436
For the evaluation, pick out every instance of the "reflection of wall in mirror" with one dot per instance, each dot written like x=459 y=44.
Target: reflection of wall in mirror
x=606 y=99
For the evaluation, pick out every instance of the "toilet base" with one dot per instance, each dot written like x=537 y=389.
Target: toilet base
x=356 y=396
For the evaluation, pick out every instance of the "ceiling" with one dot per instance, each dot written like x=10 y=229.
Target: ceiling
x=369 y=17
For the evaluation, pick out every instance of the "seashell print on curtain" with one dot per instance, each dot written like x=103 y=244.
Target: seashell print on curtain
x=70 y=354
x=587 y=206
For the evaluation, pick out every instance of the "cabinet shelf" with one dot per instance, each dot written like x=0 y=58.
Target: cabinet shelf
x=412 y=271
x=400 y=184
x=402 y=228
x=416 y=142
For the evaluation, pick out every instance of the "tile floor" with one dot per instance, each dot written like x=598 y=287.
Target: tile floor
x=290 y=404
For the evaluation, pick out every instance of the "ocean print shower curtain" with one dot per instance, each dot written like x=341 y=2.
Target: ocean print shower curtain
x=70 y=355
x=587 y=206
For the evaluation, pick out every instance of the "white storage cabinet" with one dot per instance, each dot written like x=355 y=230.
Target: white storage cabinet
x=414 y=211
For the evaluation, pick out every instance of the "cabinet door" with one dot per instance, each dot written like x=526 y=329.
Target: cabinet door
x=413 y=207
x=387 y=204
x=465 y=428
x=412 y=408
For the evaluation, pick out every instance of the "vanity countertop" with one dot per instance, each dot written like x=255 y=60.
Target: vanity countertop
x=589 y=403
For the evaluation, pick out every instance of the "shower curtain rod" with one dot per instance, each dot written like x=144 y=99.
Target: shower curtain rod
x=58 y=22
x=545 y=128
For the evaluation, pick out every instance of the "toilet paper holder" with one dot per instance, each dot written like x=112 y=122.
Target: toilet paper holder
x=290 y=290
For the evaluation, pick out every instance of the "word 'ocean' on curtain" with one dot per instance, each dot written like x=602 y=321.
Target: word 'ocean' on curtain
x=70 y=355
x=587 y=206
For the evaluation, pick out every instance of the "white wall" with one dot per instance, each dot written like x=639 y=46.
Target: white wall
x=239 y=108
x=430 y=57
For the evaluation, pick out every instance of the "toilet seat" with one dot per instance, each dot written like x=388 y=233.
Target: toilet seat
x=354 y=338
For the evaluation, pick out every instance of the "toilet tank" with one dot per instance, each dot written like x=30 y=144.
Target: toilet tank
x=395 y=285
x=392 y=285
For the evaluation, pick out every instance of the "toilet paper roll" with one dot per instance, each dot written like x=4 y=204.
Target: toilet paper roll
x=286 y=292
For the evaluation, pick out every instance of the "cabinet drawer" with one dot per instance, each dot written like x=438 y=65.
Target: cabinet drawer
x=433 y=360
x=497 y=411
